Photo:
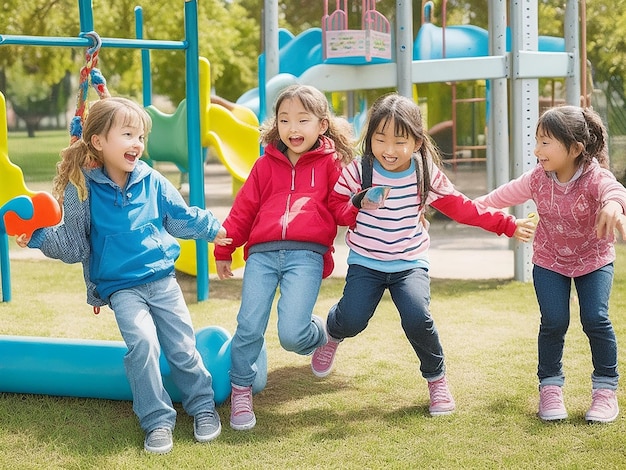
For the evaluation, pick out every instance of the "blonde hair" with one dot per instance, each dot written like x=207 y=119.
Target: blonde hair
x=339 y=130
x=82 y=155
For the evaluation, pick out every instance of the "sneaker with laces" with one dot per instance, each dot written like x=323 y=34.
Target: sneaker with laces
x=206 y=426
x=241 y=414
x=159 y=441
x=551 y=405
x=323 y=358
x=441 y=401
x=604 y=407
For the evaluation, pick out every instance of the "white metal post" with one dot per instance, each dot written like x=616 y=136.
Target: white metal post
x=524 y=114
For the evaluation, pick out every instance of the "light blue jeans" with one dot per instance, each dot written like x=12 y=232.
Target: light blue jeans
x=152 y=317
x=553 y=294
x=410 y=292
x=298 y=275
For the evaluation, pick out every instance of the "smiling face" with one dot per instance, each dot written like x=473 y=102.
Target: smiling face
x=393 y=151
x=298 y=128
x=554 y=156
x=121 y=147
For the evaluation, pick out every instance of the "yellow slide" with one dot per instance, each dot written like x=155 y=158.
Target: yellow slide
x=229 y=129
x=231 y=132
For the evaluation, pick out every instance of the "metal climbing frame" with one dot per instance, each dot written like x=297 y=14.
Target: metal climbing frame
x=190 y=46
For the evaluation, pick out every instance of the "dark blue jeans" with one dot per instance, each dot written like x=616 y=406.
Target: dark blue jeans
x=553 y=294
x=410 y=292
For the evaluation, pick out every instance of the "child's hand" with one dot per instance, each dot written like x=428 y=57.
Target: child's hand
x=525 y=229
x=221 y=239
x=223 y=269
x=609 y=219
x=22 y=240
x=371 y=198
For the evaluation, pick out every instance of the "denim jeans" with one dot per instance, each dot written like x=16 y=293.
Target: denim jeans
x=410 y=292
x=298 y=275
x=553 y=294
x=152 y=317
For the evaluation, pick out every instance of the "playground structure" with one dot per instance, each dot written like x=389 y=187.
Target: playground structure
x=21 y=210
x=89 y=368
x=95 y=369
x=370 y=44
x=461 y=53
x=230 y=130
x=519 y=64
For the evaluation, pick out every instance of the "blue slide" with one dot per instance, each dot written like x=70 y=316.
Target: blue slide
x=467 y=41
x=295 y=55
x=299 y=53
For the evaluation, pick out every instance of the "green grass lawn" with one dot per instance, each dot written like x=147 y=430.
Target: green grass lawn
x=370 y=413
x=38 y=156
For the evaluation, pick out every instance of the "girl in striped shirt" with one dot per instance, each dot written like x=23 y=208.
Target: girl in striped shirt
x=388 y=236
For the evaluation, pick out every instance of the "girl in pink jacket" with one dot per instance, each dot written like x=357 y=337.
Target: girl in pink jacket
x=580 y=204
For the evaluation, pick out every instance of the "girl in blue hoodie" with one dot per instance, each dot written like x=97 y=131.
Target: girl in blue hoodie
x=121 y=218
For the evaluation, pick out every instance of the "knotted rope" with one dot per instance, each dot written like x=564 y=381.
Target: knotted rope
x=90 y=75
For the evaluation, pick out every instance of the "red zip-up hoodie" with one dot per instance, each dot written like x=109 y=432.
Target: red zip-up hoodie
x=285 y=206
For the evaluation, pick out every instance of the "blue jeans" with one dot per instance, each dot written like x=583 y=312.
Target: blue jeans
x=298 y=274
x=410 y=292
x=553 y=294
x=152 y=317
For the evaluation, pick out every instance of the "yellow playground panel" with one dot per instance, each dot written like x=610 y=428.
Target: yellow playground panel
x=230 y=130
x=46 y=210
x=186 y=262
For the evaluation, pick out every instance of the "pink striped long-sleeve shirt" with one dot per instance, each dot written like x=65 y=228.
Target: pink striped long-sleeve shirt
x=394 y=238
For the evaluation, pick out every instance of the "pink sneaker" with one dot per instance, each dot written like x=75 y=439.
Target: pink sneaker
x=604 y=407
x=551 y=406
x=441 y=401
x=241 y=414
x=323 y=358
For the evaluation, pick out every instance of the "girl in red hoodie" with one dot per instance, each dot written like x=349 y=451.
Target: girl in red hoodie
x=281 y=214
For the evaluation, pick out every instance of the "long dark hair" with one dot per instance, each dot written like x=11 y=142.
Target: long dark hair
x=407 y=121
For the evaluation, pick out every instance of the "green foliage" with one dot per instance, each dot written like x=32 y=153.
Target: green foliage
x=230 y=38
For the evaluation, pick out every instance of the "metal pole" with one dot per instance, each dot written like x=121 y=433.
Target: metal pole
x=270 y=64
x=573 y=46
x=404 y=47
x=196 y=160
x=497 y=103
x=146 y=72
x=525 y=112
x=85 y=15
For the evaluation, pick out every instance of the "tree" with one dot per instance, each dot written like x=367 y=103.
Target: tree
x=35 y=78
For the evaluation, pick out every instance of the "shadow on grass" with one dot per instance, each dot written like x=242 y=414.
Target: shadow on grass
x=294 y=399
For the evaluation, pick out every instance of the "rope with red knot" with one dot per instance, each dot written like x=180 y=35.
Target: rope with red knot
x=90 y=75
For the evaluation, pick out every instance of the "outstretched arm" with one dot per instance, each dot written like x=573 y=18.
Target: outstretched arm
x=460 y=208
x=610 y=218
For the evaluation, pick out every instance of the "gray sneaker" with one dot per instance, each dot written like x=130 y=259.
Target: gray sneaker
x=206 y=426
x=159 y=441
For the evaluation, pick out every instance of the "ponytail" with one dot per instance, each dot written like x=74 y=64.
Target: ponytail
x=74 y=159
x=596 y=147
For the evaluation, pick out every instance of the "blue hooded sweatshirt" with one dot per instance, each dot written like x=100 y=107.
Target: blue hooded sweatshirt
x=124 y=237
